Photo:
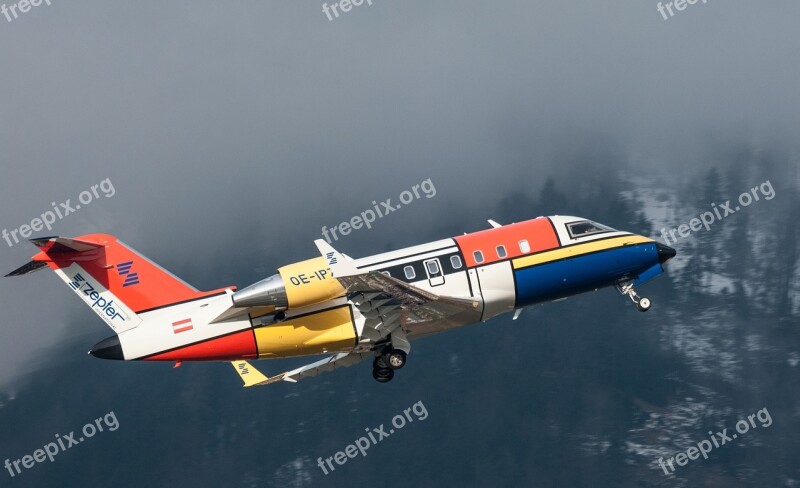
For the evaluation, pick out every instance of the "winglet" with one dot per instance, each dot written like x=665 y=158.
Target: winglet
x=250 y=375
x=340 y=265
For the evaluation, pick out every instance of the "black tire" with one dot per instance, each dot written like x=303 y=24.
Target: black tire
x=383 y=375
x=379 y=363
x=395 y=358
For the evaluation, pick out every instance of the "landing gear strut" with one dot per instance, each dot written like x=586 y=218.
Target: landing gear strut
x=642 y=303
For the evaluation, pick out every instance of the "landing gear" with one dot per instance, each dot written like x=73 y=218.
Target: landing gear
x=642 y=303
x=379 y=363
x=383 y=366
x=381 y=370
x=395 y=358
x=383 y=375
x=390 y=356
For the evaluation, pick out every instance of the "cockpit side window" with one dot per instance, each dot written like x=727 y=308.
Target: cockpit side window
x=585 y=228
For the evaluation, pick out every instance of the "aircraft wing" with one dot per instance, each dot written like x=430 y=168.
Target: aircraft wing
x=415 y=305
x=253 y=377
x=391 y=301
x=387 y=304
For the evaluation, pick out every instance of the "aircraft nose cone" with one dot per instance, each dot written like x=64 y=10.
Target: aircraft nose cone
x=665 y=253
x=108 y=349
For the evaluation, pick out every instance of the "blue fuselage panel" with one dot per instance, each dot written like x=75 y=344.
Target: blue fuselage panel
x=579 y=274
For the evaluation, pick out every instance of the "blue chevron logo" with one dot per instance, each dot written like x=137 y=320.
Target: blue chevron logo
x=124 y=269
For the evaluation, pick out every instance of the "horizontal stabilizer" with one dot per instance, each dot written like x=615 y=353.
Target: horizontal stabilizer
x=64 y=245
x=52 y=247
x=28 y=268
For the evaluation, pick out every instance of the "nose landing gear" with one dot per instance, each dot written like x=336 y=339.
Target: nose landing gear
x=642 y=303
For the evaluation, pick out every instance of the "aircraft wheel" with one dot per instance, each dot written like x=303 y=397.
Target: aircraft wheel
x=395 y=358
x=383 y=375
x=379 y=363
x=643 y=304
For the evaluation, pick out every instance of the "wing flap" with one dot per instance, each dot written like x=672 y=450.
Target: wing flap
x=416 y=305
x=341 y=360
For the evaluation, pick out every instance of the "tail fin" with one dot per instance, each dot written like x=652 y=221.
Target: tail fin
x=112 y=279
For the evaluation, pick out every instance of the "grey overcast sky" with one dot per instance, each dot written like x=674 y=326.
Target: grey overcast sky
x=241 y=128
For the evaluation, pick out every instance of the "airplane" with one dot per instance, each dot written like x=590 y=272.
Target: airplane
x=350 y=309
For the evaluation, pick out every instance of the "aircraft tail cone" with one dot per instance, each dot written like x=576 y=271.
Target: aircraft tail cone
x=109 y=348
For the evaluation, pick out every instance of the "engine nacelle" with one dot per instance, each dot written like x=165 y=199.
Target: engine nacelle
x=296 y=285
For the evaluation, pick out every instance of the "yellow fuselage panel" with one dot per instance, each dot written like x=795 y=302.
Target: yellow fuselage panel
x=309 y=282
x=321 y=332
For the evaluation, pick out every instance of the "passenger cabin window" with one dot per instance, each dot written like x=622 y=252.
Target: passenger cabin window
x=409 y=271
x=386 y=273
x=478 y=255
x=433 y=267
x=501 y=251
x=524 y=247
x=586 y=228
x=455 y=262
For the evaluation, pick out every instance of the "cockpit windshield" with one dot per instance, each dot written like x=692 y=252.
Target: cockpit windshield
x=585 y=228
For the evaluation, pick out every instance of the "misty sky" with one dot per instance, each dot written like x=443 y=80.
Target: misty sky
x=242 y=128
